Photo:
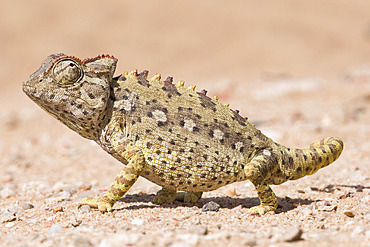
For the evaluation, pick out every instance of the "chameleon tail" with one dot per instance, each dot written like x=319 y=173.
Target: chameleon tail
x=292 y=164
x=301 y=162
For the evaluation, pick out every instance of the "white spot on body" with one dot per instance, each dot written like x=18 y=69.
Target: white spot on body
x=218 y=134
x=126 y=105
x=266 y=152
x=159 y=116
x=239 y=145
x=129 y=103
x=189 y=124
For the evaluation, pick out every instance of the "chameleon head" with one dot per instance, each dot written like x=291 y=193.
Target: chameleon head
x=75 y=92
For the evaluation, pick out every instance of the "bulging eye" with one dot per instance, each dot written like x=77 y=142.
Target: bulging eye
x=67 y=72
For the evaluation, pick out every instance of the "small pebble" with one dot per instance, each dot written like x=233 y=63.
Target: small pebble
x=10 y=224
x=32 y=221
x=118 y=240
x=210 y=206
x=293 y=233
x=58 y=209
x=346 y=195
x=64 y=195
x=85 y=208
x=187 y=239
x=59 y=186
x=73 y=222
x=137 y=221
x=218 y=236
x=360 y=188
x=179 y=244
x=55 y=228
x=198 y=229
x=328 y=208
x=12 y=209
x=26 y=206
x=7 y=217
x=81 y=242
x=48 y=224
x=84 y=186
x=6 y=193
x=249 y=240
x=349 y=214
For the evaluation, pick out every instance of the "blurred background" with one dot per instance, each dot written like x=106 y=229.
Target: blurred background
x=295 y=68
x=196 y=41
x=300 y=70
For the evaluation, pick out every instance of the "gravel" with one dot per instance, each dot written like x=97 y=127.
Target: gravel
x=211 y=206
x=46 y=169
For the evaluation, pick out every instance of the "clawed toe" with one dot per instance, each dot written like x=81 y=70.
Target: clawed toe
x=164 y=196
x=188 y=197
x=261 y=209
x=98 y=203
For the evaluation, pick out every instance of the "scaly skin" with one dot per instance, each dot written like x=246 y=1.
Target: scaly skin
x=175 y=137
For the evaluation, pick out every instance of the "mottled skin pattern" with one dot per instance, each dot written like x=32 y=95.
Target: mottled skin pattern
x=175 y=137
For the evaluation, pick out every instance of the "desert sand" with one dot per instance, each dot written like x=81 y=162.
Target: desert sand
x=299 y=70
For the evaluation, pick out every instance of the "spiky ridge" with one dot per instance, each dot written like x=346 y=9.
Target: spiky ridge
x=181 y=86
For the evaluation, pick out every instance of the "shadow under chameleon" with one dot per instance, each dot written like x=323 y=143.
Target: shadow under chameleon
x=285 y=203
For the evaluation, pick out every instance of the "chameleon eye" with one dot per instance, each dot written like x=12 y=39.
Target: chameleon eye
x=67 y=72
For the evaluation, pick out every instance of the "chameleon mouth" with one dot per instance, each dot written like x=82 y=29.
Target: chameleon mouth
x=29 y=90
x=35 y=94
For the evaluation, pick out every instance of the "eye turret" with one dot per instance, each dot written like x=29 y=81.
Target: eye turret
x=67 y=72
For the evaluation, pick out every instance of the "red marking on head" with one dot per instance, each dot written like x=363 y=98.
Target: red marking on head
x=99 y=57
x=103 y=56
x=59 y=59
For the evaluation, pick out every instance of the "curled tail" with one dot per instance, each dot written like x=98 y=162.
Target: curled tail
x=307 y=161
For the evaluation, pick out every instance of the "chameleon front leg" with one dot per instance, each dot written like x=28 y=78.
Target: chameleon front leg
x=121 y=184
x=257 y=171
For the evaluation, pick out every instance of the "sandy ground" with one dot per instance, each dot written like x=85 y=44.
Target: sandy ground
x=300 y=71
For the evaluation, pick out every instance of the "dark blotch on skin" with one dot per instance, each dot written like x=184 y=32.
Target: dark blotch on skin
x=290 y=160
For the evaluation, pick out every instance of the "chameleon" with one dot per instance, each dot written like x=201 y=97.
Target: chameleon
x=176 y=137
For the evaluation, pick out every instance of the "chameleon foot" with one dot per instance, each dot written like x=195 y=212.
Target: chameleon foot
x=165 y=196
x=98 y=203
x=261 y=210
x=188 y=197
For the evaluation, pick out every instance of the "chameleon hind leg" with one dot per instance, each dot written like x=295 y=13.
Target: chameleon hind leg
x=165 y=196
x=169 y=196
x=257 y=172
x=267 y=198
x=121 y=184
x=188 y=197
